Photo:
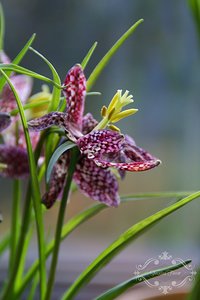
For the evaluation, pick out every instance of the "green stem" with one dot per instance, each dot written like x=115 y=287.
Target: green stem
x=60 y=222
x=24 y=228
x=4 y=244
x=15 y=223
x=102 y=124
x=2 y=27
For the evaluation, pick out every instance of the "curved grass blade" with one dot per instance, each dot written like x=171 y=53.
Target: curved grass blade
x=18 y=58
x=56 y=91
x=118 y=245
x=35 y=197
x=79 y=219
x=59 y=151
x=2 y=28
x=25 y=71
x=104 y=61
x=88 y=55
x=93 y=94
x=121 y=288
x=152 y=196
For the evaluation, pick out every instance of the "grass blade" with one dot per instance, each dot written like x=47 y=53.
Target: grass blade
x=104 y=61
x=118 y=245
x=15 y=222
x=88 y=55
x=2 y=28
x=121 y=288
x=56 y=91
x=59 y=151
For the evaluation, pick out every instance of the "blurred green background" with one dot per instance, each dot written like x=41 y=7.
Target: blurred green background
x=160 y=66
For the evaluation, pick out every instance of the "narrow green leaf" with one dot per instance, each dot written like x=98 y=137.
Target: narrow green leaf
x=18 y=59
x=2 y=27
x=56 y=91
x=88 y=55
x=104 y=61
x=145 y=196
x=24 y=50
x=59 y=151
x=93 y=94
x=121 y=288
x=118 y=245
x=25 y=71
x=35 y=196
x=15 y=222
x=21 y=267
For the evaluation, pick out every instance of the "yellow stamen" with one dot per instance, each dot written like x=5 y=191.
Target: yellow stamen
x=113 y=101
x=104 y=111
x=123 y=114
x=114 y=111
x=114 y=128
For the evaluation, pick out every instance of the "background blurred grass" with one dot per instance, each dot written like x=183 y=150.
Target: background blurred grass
x=159 y=64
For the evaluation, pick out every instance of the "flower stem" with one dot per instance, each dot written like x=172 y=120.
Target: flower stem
x=24 y=228
x=15 y=223
x=60 y=222
x=102 y=124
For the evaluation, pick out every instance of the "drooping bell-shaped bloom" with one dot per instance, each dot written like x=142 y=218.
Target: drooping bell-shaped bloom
x=100 y=148
x=13 y=151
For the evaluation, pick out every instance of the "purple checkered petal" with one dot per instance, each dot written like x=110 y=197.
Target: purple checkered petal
x=23 y=86
x=130 y=158
x=55 y=119
x=133 y=152
x=89 y=123
x=5 y=121
x=100 y=142
x=57 y=180
x=16 y=160
x=75 y=92
x=97 y=183
x=130 y=166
